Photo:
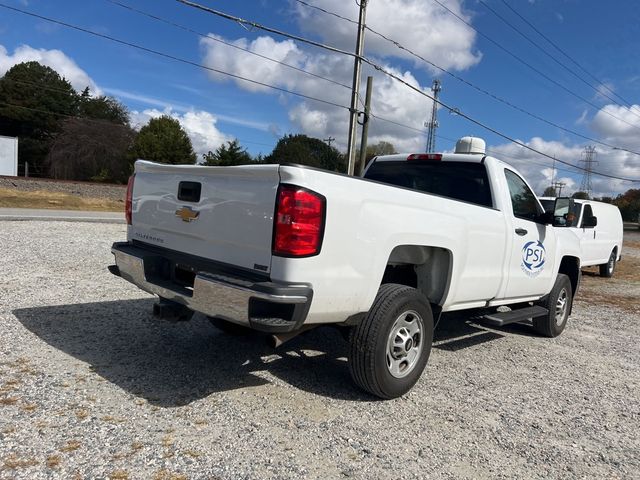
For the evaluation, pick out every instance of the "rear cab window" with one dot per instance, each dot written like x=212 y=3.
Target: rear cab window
x=464 y=181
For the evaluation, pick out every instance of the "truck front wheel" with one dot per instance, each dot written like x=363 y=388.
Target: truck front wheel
x=558 y=303
x=389 y=349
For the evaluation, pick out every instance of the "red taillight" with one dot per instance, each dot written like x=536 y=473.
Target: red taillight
x=128 y=201
x=425 y=156
x=299 y=222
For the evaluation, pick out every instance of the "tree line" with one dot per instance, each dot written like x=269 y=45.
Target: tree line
x=68 y=135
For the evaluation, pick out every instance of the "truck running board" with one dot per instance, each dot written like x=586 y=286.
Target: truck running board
x=505 y=318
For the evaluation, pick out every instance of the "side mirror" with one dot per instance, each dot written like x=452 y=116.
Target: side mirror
x=562 y=209
x=590 y=222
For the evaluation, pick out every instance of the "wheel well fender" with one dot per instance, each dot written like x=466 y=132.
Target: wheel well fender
x=425 y=268
x=570 y=266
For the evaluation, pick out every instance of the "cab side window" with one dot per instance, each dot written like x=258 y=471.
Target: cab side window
x=523 y=200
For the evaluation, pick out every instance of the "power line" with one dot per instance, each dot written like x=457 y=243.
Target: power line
x=552 y=43
x=393 y=122
x=378 y=67
x=489 y=151
x=252 y=24
x=328 y=12
x=109 y=122
x=395 y=77
x=169 y=56
x=39 y=85
x=526 y=37
x=477 y=88
x=215 y=39
x=4 y=79
x=528 y=65
x=66 y=115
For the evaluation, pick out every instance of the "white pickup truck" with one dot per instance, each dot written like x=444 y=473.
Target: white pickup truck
x=280 y=248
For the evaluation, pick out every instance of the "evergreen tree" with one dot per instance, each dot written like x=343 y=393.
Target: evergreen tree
x=102 y=108
x=305 y=150
x=34 y=100
x=227 y=154
x=164 y=140
x=580 y=195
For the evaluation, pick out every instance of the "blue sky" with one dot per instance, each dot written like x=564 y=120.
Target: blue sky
x=604 y=41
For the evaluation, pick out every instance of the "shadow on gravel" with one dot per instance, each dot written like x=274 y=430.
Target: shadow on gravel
x=175 y=364
x=458 y=331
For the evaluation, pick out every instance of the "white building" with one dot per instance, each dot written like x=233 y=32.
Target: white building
x=8 y=156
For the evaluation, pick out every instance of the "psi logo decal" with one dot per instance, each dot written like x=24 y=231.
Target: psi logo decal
x=533 y=257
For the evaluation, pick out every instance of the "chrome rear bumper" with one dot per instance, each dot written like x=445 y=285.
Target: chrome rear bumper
x=261 y=305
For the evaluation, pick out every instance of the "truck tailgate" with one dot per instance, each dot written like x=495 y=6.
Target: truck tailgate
x=230 y=219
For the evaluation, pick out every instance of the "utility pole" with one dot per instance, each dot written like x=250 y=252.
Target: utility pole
x=353 y=110
x=589 y=161
x=328 y=140
x=432 y=125
x=558 y=186
x=365 y=128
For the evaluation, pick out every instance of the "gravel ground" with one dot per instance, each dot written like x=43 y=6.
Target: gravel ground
x=81 y=189
x=91 y=386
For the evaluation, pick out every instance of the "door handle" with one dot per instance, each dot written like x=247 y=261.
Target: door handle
x=521 y=231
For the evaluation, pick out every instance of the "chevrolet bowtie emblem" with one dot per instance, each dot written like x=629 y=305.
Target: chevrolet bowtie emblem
x=187 y=214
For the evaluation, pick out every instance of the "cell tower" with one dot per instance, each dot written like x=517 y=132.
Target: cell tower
x=588 y=160
x=433 y=124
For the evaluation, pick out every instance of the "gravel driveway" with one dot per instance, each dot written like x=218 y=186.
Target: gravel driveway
x=91 y=386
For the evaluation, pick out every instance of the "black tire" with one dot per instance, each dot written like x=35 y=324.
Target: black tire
x=229 y=328
x=552 y=324
x=607 y=269
x=370 y=342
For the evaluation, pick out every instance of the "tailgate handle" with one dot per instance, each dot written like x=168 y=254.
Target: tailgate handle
x=189 y=191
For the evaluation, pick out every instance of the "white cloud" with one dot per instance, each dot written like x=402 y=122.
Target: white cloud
x=604 y=91
x=199 y=125
x=55 y=59
x=424 y=27
x=538 y=170
x=144 y=99
x=392 y=100
x=244 y=64
x=618 y=123
x=396 y=102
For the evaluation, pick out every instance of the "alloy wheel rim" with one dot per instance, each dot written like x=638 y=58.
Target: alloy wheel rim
x=561 y=307
x=404 y=344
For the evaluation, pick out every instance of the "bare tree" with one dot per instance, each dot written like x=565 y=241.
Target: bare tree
x=92 y=150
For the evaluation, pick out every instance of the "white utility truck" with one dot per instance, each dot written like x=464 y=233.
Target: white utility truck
x=280 y=248
x=598 y=227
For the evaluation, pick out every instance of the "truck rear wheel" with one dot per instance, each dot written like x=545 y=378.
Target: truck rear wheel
x=558 y=303
x=607 y=269
x=389 y=349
